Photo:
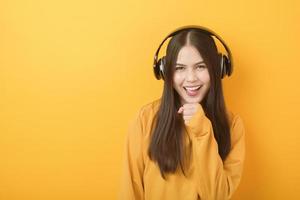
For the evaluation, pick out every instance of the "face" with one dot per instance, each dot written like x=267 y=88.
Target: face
x=191 y=78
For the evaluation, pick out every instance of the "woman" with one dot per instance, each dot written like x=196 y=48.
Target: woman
x=186 y=145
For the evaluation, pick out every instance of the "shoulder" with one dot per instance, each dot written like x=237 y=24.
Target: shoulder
x=145 y=116
x=149 y=109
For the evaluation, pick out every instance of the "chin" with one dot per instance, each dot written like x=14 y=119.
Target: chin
x=193 y=100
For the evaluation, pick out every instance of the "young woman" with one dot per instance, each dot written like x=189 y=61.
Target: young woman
x=186 y=145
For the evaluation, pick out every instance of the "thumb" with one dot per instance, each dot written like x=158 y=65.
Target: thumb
x=180 y=110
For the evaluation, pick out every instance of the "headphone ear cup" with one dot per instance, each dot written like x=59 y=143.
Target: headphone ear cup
x=161 y=67
x=228 y=66
x=157 y=69
x=224 y=65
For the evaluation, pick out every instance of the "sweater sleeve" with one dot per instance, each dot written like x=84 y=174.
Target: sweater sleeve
x=132 y=187
x=214 y=179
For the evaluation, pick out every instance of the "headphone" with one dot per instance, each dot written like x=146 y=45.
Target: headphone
x=225 y=60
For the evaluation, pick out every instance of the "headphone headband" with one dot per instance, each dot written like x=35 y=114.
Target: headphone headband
x=205 y=30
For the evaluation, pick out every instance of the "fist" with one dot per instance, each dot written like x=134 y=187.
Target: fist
x=188 y=110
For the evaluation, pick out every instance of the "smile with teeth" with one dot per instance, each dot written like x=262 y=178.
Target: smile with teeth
x=192 y=88
x=192 y=91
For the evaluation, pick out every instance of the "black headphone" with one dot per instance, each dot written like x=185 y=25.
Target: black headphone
x=225 y=60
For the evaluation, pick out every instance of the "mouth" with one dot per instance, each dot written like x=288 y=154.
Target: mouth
x=192 y=90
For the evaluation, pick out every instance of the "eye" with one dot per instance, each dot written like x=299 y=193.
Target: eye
x=179 y=68
x=201 y=66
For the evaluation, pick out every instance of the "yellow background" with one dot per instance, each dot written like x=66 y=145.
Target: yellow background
x=73 y=73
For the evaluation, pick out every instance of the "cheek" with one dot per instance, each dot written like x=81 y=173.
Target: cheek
x=205 y=77
x=177 y=79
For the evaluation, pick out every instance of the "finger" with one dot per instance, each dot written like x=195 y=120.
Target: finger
x=187 y=118
x=180 y=110
x=188 y=112
x=190 y=107
x=186 y=122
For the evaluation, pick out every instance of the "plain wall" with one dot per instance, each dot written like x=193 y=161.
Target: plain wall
x=73 y=74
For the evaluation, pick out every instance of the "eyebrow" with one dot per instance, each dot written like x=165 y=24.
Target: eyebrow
x=185 y=65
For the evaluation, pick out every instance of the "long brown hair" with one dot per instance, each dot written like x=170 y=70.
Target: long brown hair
x=167 y=147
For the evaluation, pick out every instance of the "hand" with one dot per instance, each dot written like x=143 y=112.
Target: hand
x=188 y=110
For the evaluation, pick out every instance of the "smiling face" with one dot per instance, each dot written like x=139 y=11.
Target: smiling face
x=191 y=78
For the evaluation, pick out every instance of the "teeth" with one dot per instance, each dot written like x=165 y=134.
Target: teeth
x=193 y=88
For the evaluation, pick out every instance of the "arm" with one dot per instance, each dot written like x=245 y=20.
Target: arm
x=132 y=181
x=214 y=179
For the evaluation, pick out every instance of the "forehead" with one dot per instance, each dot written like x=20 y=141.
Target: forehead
x=189 y=55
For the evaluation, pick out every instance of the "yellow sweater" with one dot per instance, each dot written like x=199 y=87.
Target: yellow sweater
x=207 y=178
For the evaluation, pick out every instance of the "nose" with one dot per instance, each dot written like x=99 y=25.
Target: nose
x=191 y=76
